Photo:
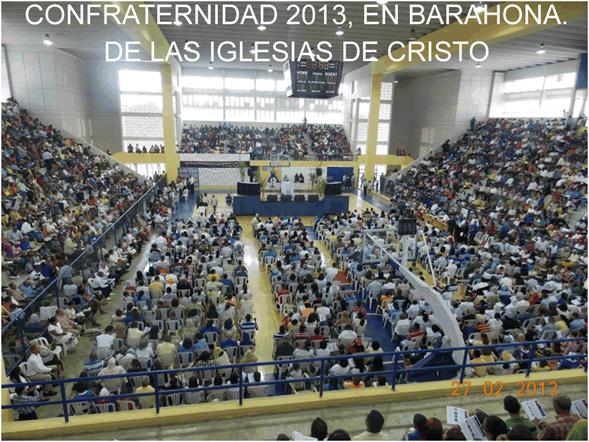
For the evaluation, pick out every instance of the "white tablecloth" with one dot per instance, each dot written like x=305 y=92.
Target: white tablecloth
x=287 y=188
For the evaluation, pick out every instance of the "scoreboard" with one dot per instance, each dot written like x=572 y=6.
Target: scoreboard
x=312 y=79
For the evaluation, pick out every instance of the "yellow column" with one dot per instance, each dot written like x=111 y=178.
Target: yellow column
x=171 y=157
x=370 y=157
x=7 y=415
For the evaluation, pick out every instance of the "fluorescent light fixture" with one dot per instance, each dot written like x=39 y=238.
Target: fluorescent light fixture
x=261 y=28
x=46 y=41
x=339 y=31
x=541 y=50
x=478 y=65
x=396 y=81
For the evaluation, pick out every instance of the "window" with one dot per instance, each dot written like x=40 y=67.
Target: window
x=384 y=111
x=239 y=84
x=382 y=149
x=362 y=131
x=138 y=126
x=202 y=82
x=265 y=85
x=523 y=85
x=560 y=81
x=140 y=81
x=363 y=110
x=535 y=97
x=386 y=91
x=149 y=104
x=383 y=132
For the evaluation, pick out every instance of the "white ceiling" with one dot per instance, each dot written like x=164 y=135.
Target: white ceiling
x=562 y=43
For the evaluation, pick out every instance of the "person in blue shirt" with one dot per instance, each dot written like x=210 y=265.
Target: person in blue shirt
x=226 y=281
x=415 y=433
x=209 y=328
x=576 y=323
x=186 y=346
x=200 y=342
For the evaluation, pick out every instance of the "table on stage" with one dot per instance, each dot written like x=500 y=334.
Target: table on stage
x=287 y=188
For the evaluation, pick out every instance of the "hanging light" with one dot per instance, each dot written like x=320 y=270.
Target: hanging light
x=541 y=50
x=177 y=23
x=339 y=32
x=382 y=2
x=46 y=41
x=478 y=9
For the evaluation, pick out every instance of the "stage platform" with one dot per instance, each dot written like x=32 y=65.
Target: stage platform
x=250 y=205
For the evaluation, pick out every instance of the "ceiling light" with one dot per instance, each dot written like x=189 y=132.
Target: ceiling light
x=478 y=9
x=412 y=38
x=46 y=41
x=270 y=68
x=252 y=50
x=478 y=65
x=261 y=28
x=382 y=2
x=396 y=81
x=211 y=67
x=339 y=31
x=541 y=50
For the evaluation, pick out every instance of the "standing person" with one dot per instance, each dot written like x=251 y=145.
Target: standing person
x=229 y=200
x=214 y=203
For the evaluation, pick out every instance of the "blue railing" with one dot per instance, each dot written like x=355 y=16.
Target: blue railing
x=85 y=261
x=322 y=377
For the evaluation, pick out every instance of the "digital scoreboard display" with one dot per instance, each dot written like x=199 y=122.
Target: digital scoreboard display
x=312 y=79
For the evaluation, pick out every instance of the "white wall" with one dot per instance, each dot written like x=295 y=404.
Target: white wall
x=430 y=109
x=52 y=85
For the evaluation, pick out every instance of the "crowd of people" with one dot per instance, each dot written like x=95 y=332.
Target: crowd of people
x=508 y=255
x=321 y=313
x=292 y=142
x=58 y=196
x=154 y=148
x=512 y=426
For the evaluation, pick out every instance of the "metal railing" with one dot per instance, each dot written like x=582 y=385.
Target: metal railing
x=84 y=263
x=322 y=377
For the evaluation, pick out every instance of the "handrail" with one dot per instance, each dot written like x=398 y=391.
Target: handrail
x=321 y=377
x=54 y=283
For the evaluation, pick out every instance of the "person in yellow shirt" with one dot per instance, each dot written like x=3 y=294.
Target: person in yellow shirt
x=477 y=358
x=145 y=401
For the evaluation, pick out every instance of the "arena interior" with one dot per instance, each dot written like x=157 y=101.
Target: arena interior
x=203 y=250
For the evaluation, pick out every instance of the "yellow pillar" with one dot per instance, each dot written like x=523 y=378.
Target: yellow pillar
x=171 y=157
x=370 y=157
x=7 y=415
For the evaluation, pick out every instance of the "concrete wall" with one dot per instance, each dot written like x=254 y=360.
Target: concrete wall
x=430 y=109
x=53 y=85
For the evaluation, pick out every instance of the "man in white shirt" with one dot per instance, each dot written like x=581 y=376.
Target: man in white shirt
x=402 y=326
x=347 y=336
x=106 y=339
x=38 y=371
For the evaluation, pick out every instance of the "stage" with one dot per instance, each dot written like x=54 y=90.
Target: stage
x=251 y=205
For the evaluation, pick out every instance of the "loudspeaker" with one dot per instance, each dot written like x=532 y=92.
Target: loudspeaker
x=313 y=197
x=407 y=226
x=285 y=198
x=299 y=197
x=272 y=198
